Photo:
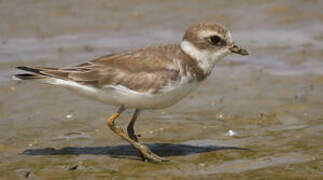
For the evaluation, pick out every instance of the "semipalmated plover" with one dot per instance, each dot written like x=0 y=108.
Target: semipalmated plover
x=148 y=78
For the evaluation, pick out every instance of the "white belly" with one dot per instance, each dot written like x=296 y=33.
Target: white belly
x=120 y=95
x=133 y=99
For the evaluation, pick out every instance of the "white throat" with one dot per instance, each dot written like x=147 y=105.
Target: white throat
x=206 y=59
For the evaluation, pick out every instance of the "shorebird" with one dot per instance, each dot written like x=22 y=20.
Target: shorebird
x=147 y=78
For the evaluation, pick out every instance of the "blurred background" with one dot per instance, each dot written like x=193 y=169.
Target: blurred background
x=269 y=102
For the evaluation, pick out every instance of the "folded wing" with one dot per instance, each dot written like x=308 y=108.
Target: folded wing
x=139 y=70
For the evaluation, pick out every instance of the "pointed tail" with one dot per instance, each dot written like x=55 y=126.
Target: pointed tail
x=34 y=75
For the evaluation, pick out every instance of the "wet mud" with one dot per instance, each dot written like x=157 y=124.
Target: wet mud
x=256 y=117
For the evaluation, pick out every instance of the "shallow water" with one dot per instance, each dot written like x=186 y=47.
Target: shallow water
x=256 y=117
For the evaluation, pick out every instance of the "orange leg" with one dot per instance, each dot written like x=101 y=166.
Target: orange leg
x=142 y=149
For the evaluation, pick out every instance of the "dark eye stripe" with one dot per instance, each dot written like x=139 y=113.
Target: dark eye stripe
x=217 y=41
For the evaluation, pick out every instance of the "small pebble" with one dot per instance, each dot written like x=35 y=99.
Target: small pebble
x=220 y=116
x=73 y=168
x=27 y=174
x=231 y=133
x=69 y=116
x=203 y=165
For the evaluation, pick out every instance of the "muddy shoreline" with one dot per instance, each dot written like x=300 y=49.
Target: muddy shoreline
x=256 y=117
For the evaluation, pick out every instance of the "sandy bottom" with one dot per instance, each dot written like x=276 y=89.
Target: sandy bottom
x=256 y=117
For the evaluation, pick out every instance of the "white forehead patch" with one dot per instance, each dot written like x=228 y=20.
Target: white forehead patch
x=204 y=34
x=229 y=38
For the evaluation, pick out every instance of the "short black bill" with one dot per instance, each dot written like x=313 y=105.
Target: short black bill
x=236 y=49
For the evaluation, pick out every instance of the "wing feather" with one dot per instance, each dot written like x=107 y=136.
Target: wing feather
x=140 y=70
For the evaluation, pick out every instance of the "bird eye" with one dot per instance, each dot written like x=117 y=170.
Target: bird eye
x=216 y=40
